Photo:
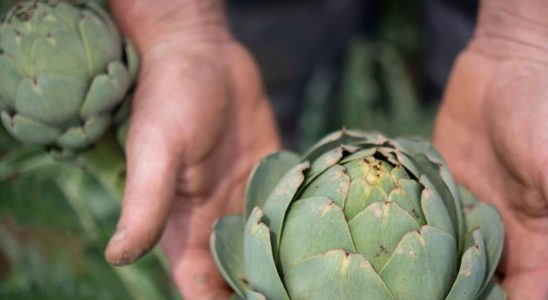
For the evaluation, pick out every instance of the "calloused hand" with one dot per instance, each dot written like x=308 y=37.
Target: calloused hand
x=493 y=130
x=200 y=121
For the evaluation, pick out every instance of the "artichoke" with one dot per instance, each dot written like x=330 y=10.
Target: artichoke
x=64 y=69
x=360 y=216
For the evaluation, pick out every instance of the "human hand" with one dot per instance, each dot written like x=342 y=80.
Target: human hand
x=492 y=129
x=200 y=121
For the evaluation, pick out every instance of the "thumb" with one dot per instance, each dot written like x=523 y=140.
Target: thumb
x=151 y=174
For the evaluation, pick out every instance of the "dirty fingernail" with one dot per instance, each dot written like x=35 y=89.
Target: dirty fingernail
x=115 y=254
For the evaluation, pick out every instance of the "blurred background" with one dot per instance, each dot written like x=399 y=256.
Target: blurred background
x=327 y=64
x=368 y=64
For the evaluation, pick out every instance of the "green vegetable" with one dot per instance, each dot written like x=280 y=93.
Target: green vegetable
x=64 y=70
x=360 y=216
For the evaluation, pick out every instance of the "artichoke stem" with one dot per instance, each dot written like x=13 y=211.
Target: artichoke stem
x=106 y=161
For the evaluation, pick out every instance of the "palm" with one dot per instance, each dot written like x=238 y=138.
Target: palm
x=492 y=130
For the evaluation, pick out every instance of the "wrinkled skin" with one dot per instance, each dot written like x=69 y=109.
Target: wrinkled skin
x=492 y=128
x=200 y=121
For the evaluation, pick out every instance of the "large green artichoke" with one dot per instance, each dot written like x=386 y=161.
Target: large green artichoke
x=64 y=69
x=359 y=217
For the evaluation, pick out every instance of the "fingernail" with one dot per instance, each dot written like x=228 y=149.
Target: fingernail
x=116 y=255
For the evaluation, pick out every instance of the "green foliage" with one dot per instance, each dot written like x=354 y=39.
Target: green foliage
x=4 y=6
x=55 y=221
x=375 y=93
x=376 y=90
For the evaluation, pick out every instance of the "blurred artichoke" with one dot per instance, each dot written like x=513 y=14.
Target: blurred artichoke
x=64 y=69
x=359 y=217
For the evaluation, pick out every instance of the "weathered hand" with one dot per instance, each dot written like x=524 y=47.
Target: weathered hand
x=200 y=121
x=493 y=130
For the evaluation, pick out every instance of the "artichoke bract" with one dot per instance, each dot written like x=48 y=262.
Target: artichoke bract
x=360 y=216
x=64 y=69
